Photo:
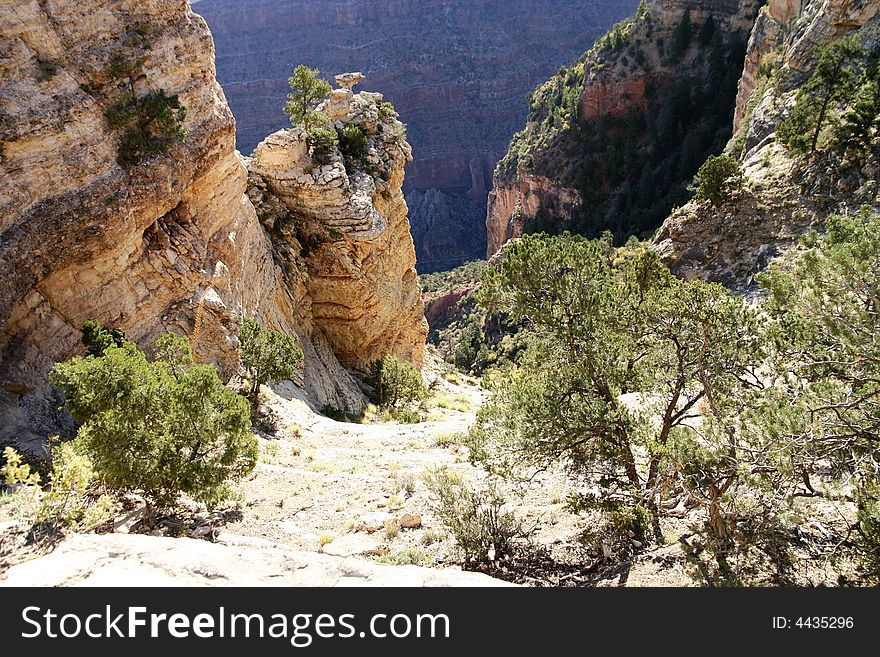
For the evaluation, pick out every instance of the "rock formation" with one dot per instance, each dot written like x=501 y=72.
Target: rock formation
x=783 y=198
x=138 y=561
x=458 y=73
x=606 y=145
x=171 y=243
x=346 y=221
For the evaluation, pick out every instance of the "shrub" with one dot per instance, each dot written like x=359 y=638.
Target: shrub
x=149 y=124
x=96 y=338
x=396 y=384
x=268 y=356
x=322 y=141
x=411 y=556
x=407 y=416
x=718 y=179
x=334 y=413
x=70 y=499
x=387 y=111
x=483 y=530
x=352 y=141
x=163 y=428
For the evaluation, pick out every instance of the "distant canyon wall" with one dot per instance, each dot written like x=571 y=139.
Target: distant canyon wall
x=458 y=73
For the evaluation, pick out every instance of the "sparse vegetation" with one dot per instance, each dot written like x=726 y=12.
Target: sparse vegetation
x=484 y=531
x=408 y=557
x=834 y=77
x=149 y=124
x=396 y=384
x=718 y=179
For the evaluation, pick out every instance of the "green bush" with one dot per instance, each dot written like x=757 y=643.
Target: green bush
x=97 y=338
x=163 y=428
x=482 y=529
x=407 y=416
x=149 y=124
x=322 y=141
x=71 y=498
x=268 y=356
x=396 y=384
x=352 y=141
x=718 y=179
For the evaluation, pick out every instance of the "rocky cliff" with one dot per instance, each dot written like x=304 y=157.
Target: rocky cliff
x=171 y=242
x=612 y=141
x=344 y=224
x=456 y=71
x=785 y=194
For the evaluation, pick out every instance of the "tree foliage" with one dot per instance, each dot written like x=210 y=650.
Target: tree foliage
x=603 y=328
x=307 y=90
x=162 y=427
x=833 y=78
x=396 y=384
x=149 y=123
x=267 y=355
x=650 y=390
x=718 y=179
x=825 y=301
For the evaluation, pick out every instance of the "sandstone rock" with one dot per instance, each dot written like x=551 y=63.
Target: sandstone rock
x=141 y=561
x=174 y=243
x=359 y=543
x=359 y=254
x=410 y=521
x=373 y=521
x=511 y=202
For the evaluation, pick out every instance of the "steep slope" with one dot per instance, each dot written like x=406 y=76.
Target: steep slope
x=167 y=243
x=456 y=71
x=612 y=141
x=786 y=193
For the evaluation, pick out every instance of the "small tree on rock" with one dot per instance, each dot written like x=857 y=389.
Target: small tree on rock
x=267 y=355
x=307 y=90
x=718 y=179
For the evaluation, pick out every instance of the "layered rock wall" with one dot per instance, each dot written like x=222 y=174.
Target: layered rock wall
x=171 y=243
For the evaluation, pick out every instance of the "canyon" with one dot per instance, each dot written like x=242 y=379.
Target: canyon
x=189 y=241
x=458 y=73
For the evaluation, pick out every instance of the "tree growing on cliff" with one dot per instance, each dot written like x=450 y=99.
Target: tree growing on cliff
x=307 y=91
x=164 y=427
x=266 y=355
x=834 y=78
x=718 y=179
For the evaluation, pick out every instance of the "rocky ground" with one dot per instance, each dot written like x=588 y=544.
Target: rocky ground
x=347 y=502
x=355 y=492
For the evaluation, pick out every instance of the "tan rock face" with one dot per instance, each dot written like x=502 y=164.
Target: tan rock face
x=351 y=218
x=510 y=202
x=133 y=560
x=172 y=243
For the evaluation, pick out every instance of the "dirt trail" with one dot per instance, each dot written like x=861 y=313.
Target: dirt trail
x=319 y=479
